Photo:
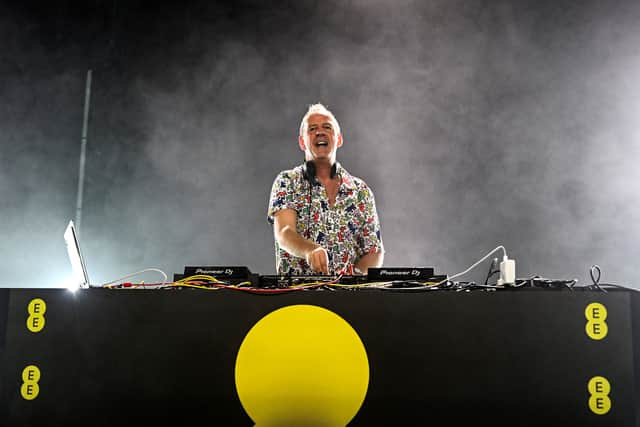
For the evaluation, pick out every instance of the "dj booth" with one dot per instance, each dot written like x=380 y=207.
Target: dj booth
x=529 y=357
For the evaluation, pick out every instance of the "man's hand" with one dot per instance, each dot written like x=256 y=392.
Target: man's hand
x=318 y=260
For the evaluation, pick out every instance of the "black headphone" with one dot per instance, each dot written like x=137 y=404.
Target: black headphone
x=309 y=172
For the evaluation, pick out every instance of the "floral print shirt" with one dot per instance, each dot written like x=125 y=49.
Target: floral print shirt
x=347 y=230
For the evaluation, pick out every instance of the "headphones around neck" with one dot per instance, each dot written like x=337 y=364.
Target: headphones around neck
x=309 y=172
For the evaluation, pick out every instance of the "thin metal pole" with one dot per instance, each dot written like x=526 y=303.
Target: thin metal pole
x=83 y=150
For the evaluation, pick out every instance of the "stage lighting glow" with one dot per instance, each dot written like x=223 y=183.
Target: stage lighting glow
x=71 y=283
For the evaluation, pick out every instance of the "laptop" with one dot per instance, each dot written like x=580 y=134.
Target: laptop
x=80 y=276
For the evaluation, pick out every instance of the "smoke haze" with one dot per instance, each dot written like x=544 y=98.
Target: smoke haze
x=477 y=124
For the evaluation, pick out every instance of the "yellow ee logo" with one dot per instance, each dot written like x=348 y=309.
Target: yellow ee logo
x=599 y=389
x=302 y=365
x=30 y=377
x=596 y=326
x=36 y=309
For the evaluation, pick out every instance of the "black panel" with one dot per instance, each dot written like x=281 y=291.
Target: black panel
x=635 y=324
x=108 y=356
x=4 y=304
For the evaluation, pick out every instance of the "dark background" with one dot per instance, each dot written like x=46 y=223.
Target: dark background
x=476 y=123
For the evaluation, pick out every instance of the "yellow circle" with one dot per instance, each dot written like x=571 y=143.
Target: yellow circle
x=37 y=307
x=595 y=312
x=302 y=365
x=31 y=373
x=599 y=386
x=596 y=330
x=29 y=391
x=35 y=323
x=599 y=404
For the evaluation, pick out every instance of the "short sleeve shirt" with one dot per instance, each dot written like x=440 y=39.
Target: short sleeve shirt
x=347 y=230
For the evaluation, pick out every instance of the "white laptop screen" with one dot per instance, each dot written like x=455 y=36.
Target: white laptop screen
x=75 y=256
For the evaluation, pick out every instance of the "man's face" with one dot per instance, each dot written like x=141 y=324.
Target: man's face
x=320 y=141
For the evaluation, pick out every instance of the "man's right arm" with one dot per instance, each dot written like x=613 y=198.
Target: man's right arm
x=284 y=229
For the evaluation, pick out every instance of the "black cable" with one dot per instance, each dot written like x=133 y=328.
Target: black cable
x=491 y=271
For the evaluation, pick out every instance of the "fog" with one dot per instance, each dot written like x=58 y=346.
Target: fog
x=476 y=124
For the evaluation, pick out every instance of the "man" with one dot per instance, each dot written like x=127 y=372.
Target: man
x=324 y=219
